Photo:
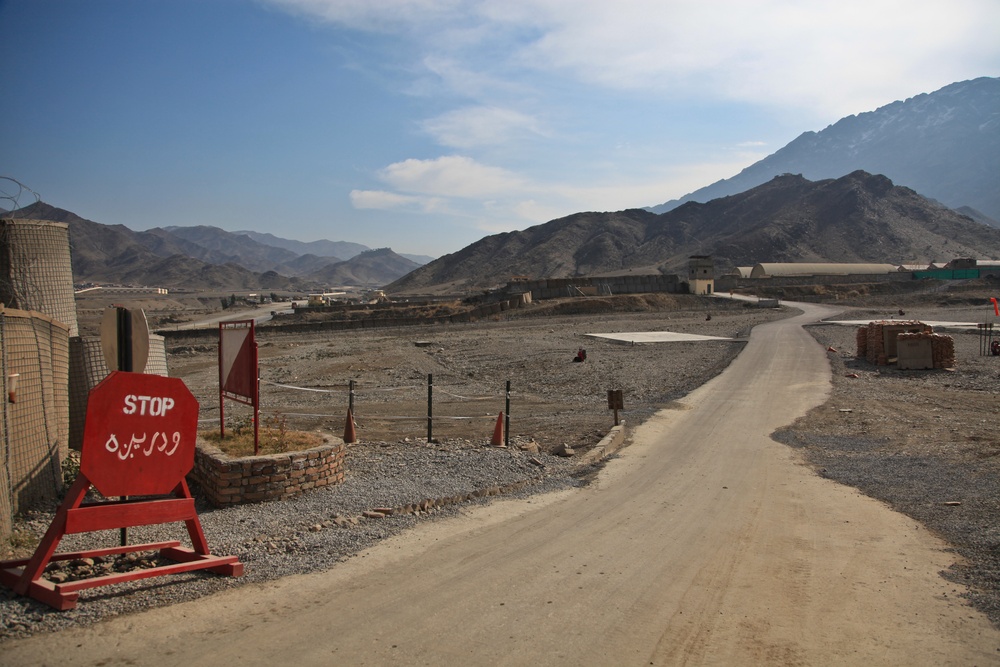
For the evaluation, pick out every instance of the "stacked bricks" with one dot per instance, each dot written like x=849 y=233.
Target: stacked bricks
x=875 y=351
x=228 y=481
x=942 y=347
x=871 y=342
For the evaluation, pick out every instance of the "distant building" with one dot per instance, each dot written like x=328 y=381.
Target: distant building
x=701 y=274
x=971 y=263
x=120 y=290
x=324 y=299
x=782 y=269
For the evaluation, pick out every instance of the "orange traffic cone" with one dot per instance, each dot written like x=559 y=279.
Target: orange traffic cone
x=349 y=434
x=497 y=440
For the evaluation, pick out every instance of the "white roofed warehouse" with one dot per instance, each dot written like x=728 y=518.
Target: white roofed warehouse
x=783 y=269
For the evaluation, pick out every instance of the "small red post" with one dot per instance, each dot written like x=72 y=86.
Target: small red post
x=497 y=440
x=349 y=433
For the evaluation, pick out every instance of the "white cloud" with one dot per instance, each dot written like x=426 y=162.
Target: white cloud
x=830 y=57
x=383 y=15
x=380 y=199
x=847 y=56
x=471 y=127
x=537 y=212
x=490 y=69
x=451 y=176
x=503 y=200
x=667 y=183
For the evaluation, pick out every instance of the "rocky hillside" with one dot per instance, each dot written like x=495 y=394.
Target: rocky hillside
x=321 y=248
x=208 y=258
x=367 y=269
x=856 y=218
x=219 y=247
x=945 y=145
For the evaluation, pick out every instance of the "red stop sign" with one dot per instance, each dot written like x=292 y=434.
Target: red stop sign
x=139 y=436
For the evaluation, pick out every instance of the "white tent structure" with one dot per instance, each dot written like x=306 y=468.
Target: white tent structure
x=779 y=269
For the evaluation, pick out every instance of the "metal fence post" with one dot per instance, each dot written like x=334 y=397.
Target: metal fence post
x=430 y=407
x=506 y=427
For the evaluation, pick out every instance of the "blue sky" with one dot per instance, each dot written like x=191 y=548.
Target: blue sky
x=425 y=125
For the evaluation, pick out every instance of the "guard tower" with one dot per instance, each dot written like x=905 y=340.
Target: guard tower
x=701 y=274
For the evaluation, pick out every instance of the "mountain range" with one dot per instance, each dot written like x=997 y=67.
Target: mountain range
x=859 y=217
x=944 y=145
x=211 y=258
x=911 y=182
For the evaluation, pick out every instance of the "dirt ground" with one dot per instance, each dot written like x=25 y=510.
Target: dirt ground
x=305 y=376
x=925 y=442
x=725 y=550
x=922 y=441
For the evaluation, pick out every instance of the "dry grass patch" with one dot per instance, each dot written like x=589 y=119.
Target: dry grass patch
x=273 y=438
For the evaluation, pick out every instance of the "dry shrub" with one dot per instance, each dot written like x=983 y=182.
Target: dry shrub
x=273 y=438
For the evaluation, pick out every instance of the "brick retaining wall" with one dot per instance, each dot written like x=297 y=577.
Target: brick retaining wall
x=225 y=480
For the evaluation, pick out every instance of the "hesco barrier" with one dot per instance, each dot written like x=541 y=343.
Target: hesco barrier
x=87 y=369
x=36 y=272
x=554 y=288
x=34 y=350
x=471 y=315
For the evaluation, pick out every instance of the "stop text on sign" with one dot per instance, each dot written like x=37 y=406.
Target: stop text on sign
x=140 y=434
x=154 y=406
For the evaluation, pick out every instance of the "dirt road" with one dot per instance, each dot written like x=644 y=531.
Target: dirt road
x=705 y=543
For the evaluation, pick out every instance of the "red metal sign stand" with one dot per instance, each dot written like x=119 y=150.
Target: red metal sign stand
x=139 y=440
x=239 y=377
x=25 y=576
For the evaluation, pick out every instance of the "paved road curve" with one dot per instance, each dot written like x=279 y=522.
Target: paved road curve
x=705 y=543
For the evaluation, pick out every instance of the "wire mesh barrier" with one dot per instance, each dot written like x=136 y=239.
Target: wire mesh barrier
x=36 y=285
x=35 y=370
x=36 y=270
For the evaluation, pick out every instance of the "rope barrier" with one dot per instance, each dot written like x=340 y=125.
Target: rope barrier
x=300 y=414
x=376 y=389
x=464 y=398
x=291 y=386
x=362 y=418
x=423 y=419
x=446 y=398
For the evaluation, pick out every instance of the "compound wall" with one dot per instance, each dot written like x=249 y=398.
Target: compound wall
x=555 y=288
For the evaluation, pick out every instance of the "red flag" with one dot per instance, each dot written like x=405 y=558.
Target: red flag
x=996 y=308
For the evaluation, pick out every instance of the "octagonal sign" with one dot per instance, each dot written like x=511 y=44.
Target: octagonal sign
x=139 y=435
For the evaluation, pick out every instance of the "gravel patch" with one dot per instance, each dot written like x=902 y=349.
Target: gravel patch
x=305 y=534
x=922 y=441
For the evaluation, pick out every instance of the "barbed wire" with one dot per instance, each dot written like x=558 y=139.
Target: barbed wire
x=15 y=197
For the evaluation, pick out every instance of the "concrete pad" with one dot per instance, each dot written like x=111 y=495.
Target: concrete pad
x=653 y=337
